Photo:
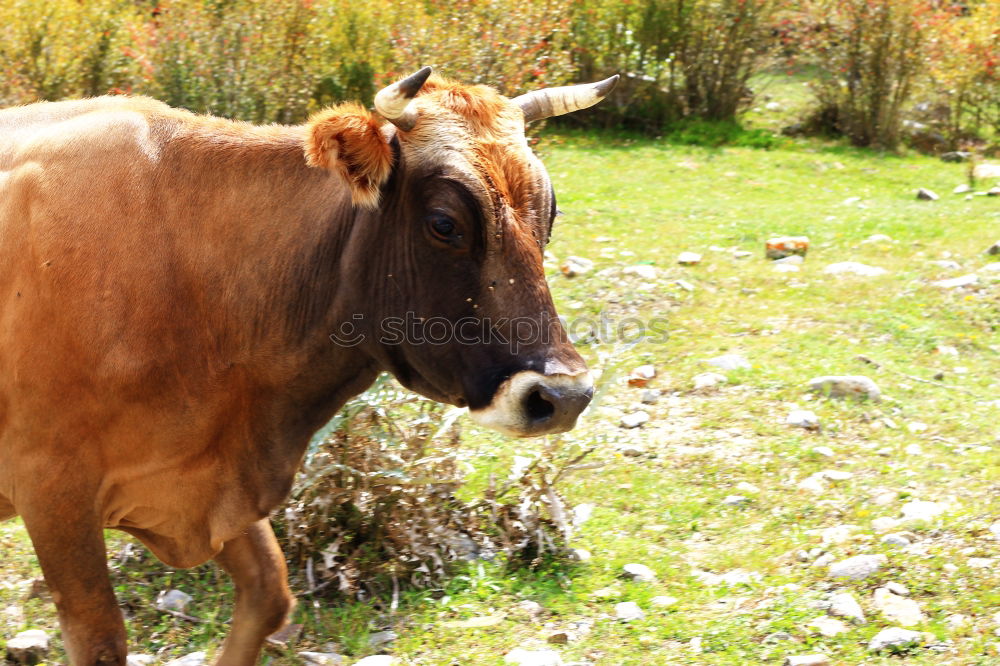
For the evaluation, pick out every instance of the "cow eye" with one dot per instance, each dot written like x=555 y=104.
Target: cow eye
x=442 y=226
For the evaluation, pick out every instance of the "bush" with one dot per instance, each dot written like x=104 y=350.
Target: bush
x=376 y=503
x=965 y=70
x=872 y=54
x=679 y=58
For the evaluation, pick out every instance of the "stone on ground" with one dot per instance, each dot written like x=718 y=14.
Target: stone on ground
x=574 y=266
x=663 y=601
x=321 y=658
x=172 y=600
x=927 y=195
x=895 y=638
x=707 y=380
x=807 y=660
x=688 y=258
x=639 y=572
x=899 y=610
x=803 y=418
x=858 y=567
x=828 y=626
x=28 y=647
x=955 y=283
x=843 y=604
x=140 y=660
x=919 y=510
x=843 y=386
x=626 y=611
x=634 y=419
x=377 y=660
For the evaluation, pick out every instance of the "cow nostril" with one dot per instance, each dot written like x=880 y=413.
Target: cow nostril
x=538 y=408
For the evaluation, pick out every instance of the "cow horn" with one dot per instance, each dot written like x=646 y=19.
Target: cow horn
x=550 y=102
x=393 y=102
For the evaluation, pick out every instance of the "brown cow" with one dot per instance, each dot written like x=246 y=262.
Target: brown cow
x=186 y=299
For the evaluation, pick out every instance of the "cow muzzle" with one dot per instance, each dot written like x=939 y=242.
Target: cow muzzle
x=530 y=403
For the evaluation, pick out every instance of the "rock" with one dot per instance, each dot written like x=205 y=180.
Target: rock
x=772 y=106
x=708 y=380
x=645 y=271
x=947 y=264
x=734 y=577
x=954 y=283
x=884 y=524
x=897 y=609
x=807 y=660
x=812 y=484
x=993 y=249
x=957 y=621
x=785 y=268
x=193 y=659
x=688 y=258
x=777 y=637
x=321 y=658
x=140 y=660
x=835 y=475
x=172 y=600
x=855 y=268
x=663 y=601
x=828 y=626
x=843 y=604
x=530 y=607
x=927 y=195
x=745 y=487
x=790 y=260
x=28 y=647
x=684 y=284
x=986 y=171
x=649 y=397
x=922 y=510
x=729 y=362
x=992 y=267
x=626 y=611
x=641 y=375
x=735 y=500
x=574 y=266
x=824 y=451
x=858 y=567
x=639 y=572
x=377 y=660
x=582 y=513
x=803 y=418
x=834 y=535
x=980 y=562
x=956 y=156
x=634 y=420
x=581 y=555
x=632 y=451
x=896 y=539
x=381 y=638
x=558 y=638
x=783 y=246
x=961 y=189
x=843 y=386
x=878 y=238
x=742 y=254
x=824 y=560
x=896 y=639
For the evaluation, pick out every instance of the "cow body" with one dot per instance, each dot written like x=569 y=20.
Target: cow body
x=169 y=284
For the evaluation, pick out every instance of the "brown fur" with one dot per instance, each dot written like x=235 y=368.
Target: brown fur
x=168 y=287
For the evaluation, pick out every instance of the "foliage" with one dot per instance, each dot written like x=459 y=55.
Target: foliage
x=377 y=502
x=872 y=53
x=965 y=71
x=679 y=58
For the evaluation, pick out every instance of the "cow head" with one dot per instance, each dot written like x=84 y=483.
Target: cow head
x=452 y=212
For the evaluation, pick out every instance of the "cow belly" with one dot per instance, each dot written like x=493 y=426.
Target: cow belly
x=184 y=518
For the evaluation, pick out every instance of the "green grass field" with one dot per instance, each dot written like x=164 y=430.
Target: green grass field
x=629 y=201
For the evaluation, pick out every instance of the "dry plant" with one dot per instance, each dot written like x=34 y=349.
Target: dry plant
x=376 y=505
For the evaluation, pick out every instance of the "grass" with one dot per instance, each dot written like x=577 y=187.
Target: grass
x=635 y=201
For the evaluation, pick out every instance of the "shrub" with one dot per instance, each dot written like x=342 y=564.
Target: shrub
x=679 y=58
x=872 y=53
x=965 y=70
x=376 y=503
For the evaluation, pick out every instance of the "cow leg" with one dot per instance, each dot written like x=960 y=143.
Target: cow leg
x=70 y=549
x=263 y=600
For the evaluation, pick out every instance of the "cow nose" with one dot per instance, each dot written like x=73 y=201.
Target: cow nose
x=530 y=403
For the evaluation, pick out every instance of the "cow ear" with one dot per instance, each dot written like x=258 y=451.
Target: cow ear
x=347 y=139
